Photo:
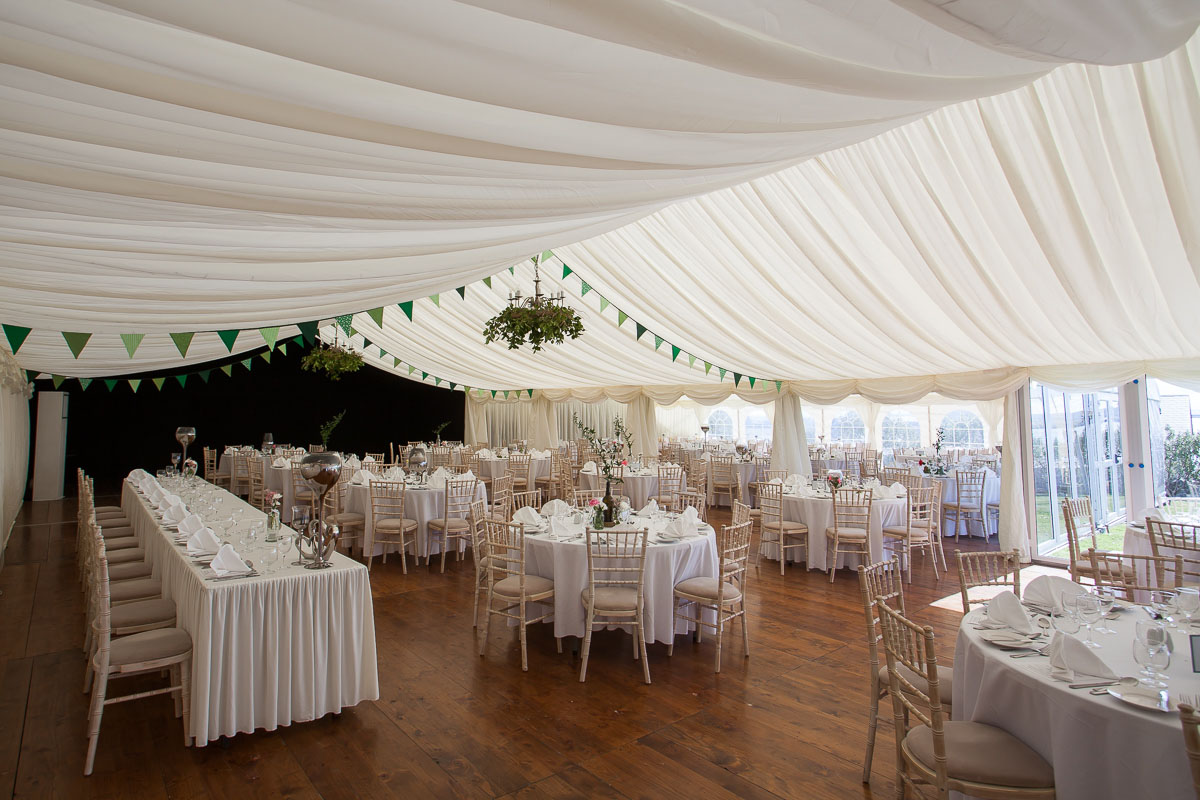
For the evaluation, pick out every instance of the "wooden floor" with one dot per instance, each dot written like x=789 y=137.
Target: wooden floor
x=789 y=721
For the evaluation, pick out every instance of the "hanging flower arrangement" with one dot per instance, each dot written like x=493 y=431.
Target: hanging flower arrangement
x=332 y=359
x=538 y=320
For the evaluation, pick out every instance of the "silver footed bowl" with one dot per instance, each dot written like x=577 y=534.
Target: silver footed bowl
x=321 y=470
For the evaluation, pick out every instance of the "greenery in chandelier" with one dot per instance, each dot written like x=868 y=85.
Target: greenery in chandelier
x=327 y=428
x=610 y=453
x=538 y=320
x=335 y=360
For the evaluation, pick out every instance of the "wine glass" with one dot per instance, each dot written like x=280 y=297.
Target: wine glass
x=1064 y=621
x=175 y=459
x=1146 y=658
x=1088 y=608
x=286 y=536
x=1107 y=599
x=1163 y=603
x=1188 y=602
x=270 y=557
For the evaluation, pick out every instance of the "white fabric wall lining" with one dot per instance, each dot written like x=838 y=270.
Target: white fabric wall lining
x=15 y=392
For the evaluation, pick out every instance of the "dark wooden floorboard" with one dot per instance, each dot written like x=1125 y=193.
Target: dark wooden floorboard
x=789 y=721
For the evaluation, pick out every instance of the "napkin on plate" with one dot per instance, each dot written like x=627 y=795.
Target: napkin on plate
x=364 y=477
x=228 y=562
x=528 y=516
x=504 y=452
x=1071 y=659
x=190 y=524
x=555 y=506
x=589 y=468
x=148 y=485
x=778 y=481
x=648 y=509
x=203 y=543
x=466 y=476
x=707 y=456
x=175 y=514
x=167 y=500
x=137 y=475
x=281 y=462
x=368 y=459
x=561 y=528
x=438 y=479
x=484 y=452
x=1046 y=591
x=353 y=463
x=394 y=474
x=804 y=490
x=683 y=525
x=1005 y=611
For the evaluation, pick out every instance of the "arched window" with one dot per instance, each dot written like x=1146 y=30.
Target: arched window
x=962 y=428
x=848 y=427
x=720 y=423
x=756 y=425
x=900 y=429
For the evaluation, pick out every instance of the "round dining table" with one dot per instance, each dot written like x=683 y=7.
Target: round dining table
x=639 y=487
x=492 y=468
x=817 y=513
x=1098 y=746
x=667 y=563
x=420 y=503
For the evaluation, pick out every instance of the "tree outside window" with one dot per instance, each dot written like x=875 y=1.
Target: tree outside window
x=848 y=427
x=900 y=429
x=962 y=429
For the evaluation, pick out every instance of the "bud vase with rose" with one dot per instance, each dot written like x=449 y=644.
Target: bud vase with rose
x=272 y=500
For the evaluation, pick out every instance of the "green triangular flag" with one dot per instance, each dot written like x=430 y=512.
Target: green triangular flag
x=640 y=330
x=675 y=351
x=512 y=270
x=110 y=383
x=584 y=288
x=298 y=340
x=283 y=348
x=424 y=374
x=779 y=386
x=737 y=378
x=204 y=374
x=84 y=382
x=308 y=330
x=182 y=380
x=487 y=282
x=132 y=340
x=351 y=332
x=621 y=317
x=722 y=369
x=547 y=255
x=707 y=367
x=228 y=337
x=16 y=336
x=411 y=369
x=246 y=363
x=269 y=336
x=366 y=343
x=437 y=381
x=658 y=340
x=406 y=307
x=603 y=303
x=493 y=394
x=182 y=342
x=752 y=380
x=158 y=383
x=228 y=370
x=452 y=385
x=395 y=361
x=462 y=292
x=344 y=321
x=265 y=355
x=382 y=352
x=691 y=360
x=437 y=299
x=566 y=270
x=76 y=341
x=58 y=380
x=31 y=374
x=530 y=392
x=135 y=383
x=506 y=394
x=376 y=315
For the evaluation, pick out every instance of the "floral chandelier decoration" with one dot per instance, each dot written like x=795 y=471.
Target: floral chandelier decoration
x=334 y=359
x=537 y=320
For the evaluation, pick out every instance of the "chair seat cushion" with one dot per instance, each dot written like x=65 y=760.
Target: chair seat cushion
x=847 y=534
x=142 y=589
x=149 y=646
x=143 y=612
x=945 y=681
x=789 y=527
x=452 y=524
x=983 y=754
x=346 y=518
x=612 y=598
x=707 y=588
x=534 y=584
x=395 y=524
x=917 y=534
x=125 y=556
x=108 y=511
x=129 y=571
x=116 y=532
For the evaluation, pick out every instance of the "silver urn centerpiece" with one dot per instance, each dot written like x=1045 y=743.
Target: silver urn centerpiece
x=418 y=459
x=318 y=540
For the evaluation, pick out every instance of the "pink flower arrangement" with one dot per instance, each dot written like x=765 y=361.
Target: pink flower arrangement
x=593 y=502
x=272 y=498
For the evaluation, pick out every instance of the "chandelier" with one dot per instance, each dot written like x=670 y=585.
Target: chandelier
x=536 y=320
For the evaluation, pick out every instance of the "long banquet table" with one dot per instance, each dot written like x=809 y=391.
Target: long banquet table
x=266 y=650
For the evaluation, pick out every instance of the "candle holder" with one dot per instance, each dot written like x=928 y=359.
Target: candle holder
x=318 y=539
x=185 y=435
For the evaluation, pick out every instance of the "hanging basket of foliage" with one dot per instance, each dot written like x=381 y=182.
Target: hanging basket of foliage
x=539 y=323
x=332 y=359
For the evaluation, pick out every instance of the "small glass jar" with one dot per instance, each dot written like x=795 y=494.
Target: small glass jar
x=273 y=525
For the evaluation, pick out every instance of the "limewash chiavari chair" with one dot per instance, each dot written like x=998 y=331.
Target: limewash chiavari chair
x=918 y=531
x=970 y=757
x=1079 y=525
x=508 y=583
x=968 y=504
x=724 y=596
x=239 y=472
x=257 y=484
x=316 y=448
x=454 y=525
x=551 y=485
x=145 y=653
x=850 y=532
x=581 y=497
x=440 y=456
x=1130 y=573
x=353 y=525
x=210 y=469
x=722 y=479
x=671 y=481
x=883 y=580
x=990 y=568
x=1190 y=721
x=502 y=492
x=616 y=569
x=890 y=475
x=302 y=493
x=518 y=470
x=788 y=535
x=389 y=526
x=532 y=499
x=479 y=554
x=695 y=500
x=378 y=457
x=1179 y=536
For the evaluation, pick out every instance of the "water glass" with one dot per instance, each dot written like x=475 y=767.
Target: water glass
x=1163 y=603
x=1088 y=608
x=1187 y=600
x=1107 y=599
x=270 y=557
x=1064 y=621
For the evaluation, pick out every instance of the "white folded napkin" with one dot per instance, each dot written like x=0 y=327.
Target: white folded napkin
x=394 y=474
x=149 y=486
x=1046 y=591
x=528 y=516
x=706 y=457
x=136 y=475
x=589 y=467
x=561 y=528
x=555 y=506
x=683 y=525
x=364 y=477
x=281 y=462
x=504 y=452
x=1151 y=512
x=804 y=490
x=228 y=562
x=203 y=543
x=648 y=509
x=190 y=524
x=484 y=452
x=353 y=463
x=1005 y=611
x=167 y=500
x=1071 y=659
x=230 y=451
x=175 y=513
x=368 y=459
x=466 y=476
x=776 y=481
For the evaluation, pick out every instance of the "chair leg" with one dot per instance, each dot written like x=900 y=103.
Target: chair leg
x=475 y=602
x=445 y=546
x=782 y=555
x=99 y=686
x=174 y=672
x=185 y=691
x=487 y=625
x=833 y=561
x=641 y=641
x=720 y=637
x=872 y=727
x=524 y=631
x=587 y=645
x=745 y=633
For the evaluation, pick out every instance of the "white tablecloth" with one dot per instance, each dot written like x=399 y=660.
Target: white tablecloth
x=638 y=488
x=666 y=565
x=492 y=468
x=421 y=505
x=746 y=472
x=270 y=650
x=817 y=514
x=1099 y=747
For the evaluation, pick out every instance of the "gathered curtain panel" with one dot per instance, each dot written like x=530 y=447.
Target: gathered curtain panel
x=15 y=392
